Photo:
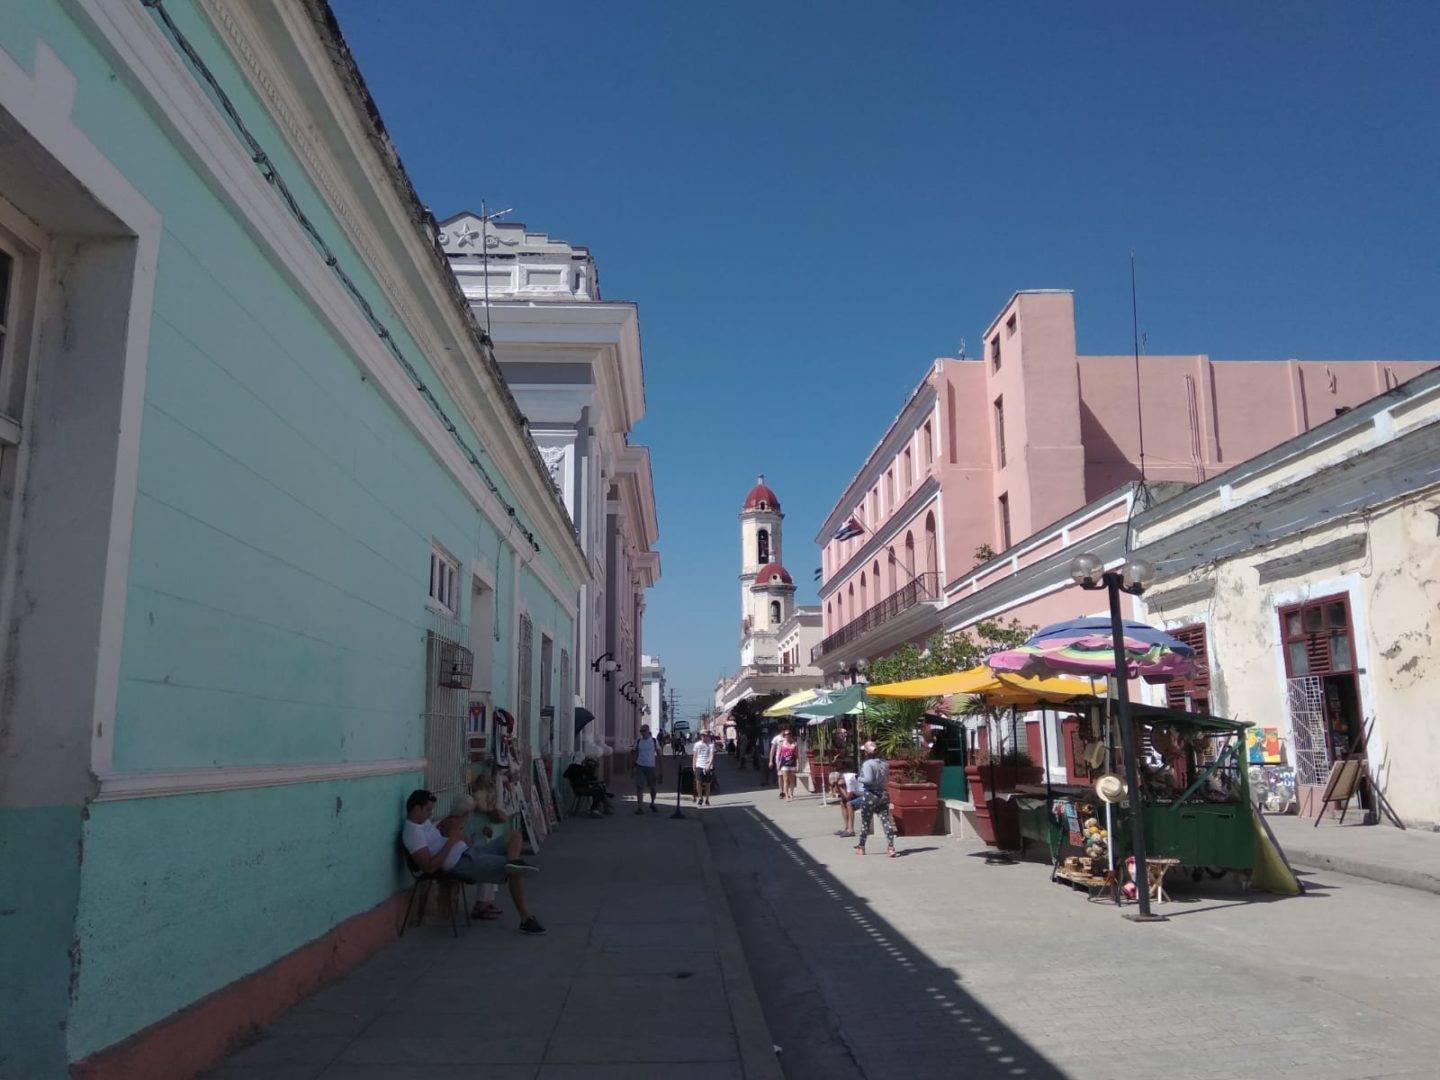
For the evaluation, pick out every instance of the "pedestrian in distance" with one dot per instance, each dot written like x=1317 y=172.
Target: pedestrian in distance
x=874 y=799
x=647 y=768
x=771 y=767
x=702 y=761
x=787 y=762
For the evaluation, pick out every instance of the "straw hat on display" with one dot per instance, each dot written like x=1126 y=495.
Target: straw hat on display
x=1110 y=788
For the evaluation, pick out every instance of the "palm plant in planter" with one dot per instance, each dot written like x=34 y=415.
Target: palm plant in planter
x=819 y=758
x=914 y=797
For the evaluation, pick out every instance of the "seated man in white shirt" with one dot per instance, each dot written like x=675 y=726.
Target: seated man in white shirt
x=451 y=853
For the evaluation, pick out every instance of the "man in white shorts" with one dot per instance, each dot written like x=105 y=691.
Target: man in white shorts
x=702 y=760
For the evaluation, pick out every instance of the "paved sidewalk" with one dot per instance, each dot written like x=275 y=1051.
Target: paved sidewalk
x=640 y=976
x=1409 y=857
x=938 y=965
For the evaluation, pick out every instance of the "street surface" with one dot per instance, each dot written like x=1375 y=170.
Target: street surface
x=938 y=965
x=693 y=948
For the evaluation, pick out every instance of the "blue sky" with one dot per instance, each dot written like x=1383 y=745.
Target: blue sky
x=811 y=201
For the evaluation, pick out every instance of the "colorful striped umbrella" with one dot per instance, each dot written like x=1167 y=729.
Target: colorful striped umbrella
x=1086 y=647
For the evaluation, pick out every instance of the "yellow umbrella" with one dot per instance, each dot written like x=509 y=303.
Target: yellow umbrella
x=997 y=689
x=786 y=705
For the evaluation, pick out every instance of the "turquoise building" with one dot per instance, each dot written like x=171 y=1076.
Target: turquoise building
x=264 y=496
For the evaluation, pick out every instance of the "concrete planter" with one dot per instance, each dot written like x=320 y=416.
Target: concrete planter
x=914 y=807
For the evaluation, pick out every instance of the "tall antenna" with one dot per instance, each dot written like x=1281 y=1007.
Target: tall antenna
x=1135 y=326
x=485 y=218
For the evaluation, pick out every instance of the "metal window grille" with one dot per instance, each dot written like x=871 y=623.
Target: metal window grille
x=446 y=714
x=1307 y=729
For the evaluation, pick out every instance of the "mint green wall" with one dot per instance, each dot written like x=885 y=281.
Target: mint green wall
x=183 y=895
x=276 y=604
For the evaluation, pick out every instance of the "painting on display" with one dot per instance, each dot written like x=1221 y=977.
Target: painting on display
x=1263 y=747
x=547 y=793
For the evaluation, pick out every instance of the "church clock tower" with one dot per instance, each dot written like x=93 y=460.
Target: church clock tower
x=767 y=592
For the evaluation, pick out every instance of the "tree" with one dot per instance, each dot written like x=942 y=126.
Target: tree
x=946 y=653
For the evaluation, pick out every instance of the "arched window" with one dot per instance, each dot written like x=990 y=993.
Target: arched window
x=762 y=544
x=909 y=567
x=774 y=612
x=829 y=618
x=850 y=601
x=875 y=577
x=890 y=563
x=932 y=554
x=864 y=593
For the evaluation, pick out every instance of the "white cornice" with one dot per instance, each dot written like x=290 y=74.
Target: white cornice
x=381 y=226
x=611 y=328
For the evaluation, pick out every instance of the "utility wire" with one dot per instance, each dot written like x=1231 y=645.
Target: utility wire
x=272 y=176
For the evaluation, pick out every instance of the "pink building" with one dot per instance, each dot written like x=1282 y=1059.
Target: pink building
x=988 y=452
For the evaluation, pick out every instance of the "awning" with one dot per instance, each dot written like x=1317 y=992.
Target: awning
x=583 y=716
x=1001 y=688
x=786 y=705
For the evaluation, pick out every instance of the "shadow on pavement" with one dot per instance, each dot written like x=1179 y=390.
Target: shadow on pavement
x=845 y=993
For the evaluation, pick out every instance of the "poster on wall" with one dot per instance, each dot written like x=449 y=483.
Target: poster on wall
x=1263 y=747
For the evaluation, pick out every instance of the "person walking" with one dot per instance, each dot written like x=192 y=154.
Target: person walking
x=787 y=762
x=875 y=799
x=702 y=761
x=771 y=745
x=647 y=768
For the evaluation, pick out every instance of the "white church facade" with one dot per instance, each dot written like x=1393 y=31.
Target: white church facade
x=776 y=636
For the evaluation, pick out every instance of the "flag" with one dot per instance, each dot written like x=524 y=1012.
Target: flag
x=849 y=530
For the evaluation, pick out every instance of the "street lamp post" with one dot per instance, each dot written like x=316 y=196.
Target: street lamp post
x=1090 y=573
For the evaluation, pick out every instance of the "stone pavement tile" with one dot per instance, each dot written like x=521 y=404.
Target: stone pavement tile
x=264 y=1072
x=477 y=1068
x=512 y=1049
x=276 y=1050
x=481 y=1022
x=312 y=1023
x=698 y=962
x=652 y=935
x=640 y=1070
x=639 y=1044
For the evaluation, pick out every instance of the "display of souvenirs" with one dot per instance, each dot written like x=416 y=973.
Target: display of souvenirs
x=1272 y=787
x=509 y=795
x=504 y=754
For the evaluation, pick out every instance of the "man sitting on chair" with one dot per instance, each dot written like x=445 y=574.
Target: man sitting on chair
x=450 y=852
x=585 y=781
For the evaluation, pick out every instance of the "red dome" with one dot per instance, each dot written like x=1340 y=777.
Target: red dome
x=761 y=497
x=770 y=571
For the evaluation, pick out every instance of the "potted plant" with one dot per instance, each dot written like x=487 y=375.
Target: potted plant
x=993 y=774
x=914 y=799
x=819 y=758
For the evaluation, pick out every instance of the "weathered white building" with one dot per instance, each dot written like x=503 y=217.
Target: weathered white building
x=1309 y=579
x=776 y=637
x=574 y=364
x=653 y=710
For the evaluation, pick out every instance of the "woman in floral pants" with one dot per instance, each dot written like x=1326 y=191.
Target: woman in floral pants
x=875 y=800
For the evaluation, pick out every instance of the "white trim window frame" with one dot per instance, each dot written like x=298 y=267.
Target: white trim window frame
x=444 y=598
x=22 y=251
